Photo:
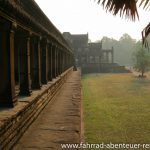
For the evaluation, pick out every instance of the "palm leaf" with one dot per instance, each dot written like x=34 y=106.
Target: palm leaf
x=125 y=7
x=146 y=3
x=129 y=9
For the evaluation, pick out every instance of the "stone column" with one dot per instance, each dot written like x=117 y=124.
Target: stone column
x=50 y=62
x=59 y=62
x=25 y=77
x=67 y=61
x=7 y=76
x=56 y=61
x=100 y=57
x=35 y=63
x=44 y=61
x=70 y=60
x=112 y=55
x=107 y=57
x=53 y=61
x=63 y=61
x=87 y=58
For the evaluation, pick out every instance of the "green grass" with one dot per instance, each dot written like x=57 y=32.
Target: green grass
x=116 y=108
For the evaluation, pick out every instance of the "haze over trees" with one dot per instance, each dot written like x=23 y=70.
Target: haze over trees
x=141 y=61
x=123 y=48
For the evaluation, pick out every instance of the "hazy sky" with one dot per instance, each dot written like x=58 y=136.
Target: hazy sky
x=82 y=16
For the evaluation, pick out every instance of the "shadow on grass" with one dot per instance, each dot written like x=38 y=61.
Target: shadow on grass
x=137 y=83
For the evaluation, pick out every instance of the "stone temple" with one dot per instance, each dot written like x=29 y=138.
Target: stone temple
x=91 y=57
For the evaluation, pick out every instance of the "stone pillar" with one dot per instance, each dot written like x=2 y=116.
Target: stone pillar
x=56 y=61
x=50 y=62
x=44 y=62
x=68 y=60
x=100 y=57
x=53 y=61
x=59 y=62
x=63 y=61
x=24 y=52
x=7 y=76
x=112 y=55
x=87 y=58
x=35 y=63
x=107 y=57
x=71 y=61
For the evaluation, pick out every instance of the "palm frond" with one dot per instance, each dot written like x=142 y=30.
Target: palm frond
x=146 y=4
x=146 y=31
x=129 y=9
x=145 y=34
x=125 y=7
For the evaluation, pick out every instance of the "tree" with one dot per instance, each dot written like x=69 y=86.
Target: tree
x=127 y=38
x=142 y=61
x=123 y=48
x=129 y=9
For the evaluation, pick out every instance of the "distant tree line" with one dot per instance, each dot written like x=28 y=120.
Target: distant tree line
x=124 y=48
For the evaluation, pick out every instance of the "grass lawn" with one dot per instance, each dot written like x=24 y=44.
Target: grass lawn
x=116 y=108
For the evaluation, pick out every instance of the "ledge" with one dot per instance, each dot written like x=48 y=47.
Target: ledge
x=15 y=121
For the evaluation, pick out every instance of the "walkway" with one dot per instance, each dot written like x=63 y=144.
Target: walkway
x=59 y=122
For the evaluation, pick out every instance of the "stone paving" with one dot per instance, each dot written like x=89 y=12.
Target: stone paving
x=7 y=113
x=59 y=122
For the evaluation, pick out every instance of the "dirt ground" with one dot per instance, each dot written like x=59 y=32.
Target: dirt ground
x=59 y=122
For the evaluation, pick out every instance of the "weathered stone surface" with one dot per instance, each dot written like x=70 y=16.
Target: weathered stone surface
x=59 y=122
x=15 y=121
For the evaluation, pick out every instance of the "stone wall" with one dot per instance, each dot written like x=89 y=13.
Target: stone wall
x=103 y=68
x=13 y=127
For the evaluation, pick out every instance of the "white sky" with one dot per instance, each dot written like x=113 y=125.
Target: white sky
x=82 y=16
